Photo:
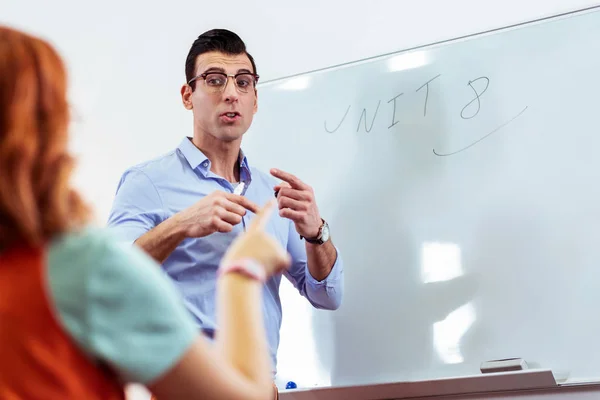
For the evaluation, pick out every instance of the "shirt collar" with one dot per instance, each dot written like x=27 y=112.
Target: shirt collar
x=192 y=154
x=196 y=158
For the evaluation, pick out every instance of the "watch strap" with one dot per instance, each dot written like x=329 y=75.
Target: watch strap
x=318 y=238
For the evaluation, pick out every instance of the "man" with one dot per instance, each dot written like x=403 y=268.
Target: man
x=181 y=208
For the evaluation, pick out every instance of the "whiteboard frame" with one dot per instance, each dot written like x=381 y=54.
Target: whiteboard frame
x=537 y=21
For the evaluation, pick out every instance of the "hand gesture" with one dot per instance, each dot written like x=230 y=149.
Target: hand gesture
x=218 y=212
x=255 y=243
x=297 y=202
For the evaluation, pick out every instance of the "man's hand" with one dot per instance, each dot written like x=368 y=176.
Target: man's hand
x=257 y=244
x=297 y=202
x=217 y=212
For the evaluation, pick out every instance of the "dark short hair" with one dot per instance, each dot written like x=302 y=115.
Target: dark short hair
x=221 y=40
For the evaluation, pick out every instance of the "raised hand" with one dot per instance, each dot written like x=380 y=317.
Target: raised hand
x=256 y=244
x=297 y=202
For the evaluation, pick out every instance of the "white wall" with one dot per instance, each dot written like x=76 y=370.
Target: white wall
x=126 y=58
x=285 y=37
x=126 y=61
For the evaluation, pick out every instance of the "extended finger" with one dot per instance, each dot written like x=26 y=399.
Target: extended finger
x=262 y=216
x=293 y=180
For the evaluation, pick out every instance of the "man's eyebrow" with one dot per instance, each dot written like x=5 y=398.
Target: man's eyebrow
x=220 y=69
x=214 y=69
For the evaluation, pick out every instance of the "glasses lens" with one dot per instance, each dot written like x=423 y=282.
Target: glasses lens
x=215 y=81
x=245 y=82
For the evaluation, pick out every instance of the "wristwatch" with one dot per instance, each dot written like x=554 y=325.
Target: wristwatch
x=323 y=235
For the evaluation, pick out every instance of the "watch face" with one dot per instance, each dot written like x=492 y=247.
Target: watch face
x=325 y=233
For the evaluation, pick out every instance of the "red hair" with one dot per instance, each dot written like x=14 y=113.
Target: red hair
x=36 y=201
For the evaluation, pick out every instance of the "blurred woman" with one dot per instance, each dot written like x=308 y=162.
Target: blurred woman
x=81 y=315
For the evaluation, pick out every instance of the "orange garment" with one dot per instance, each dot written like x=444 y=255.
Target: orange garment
x=38 y=359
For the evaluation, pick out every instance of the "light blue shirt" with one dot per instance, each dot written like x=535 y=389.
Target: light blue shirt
x=153 y=191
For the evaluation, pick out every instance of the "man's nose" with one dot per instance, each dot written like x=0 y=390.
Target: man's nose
x=230 y=92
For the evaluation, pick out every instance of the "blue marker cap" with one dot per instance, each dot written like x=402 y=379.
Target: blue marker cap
x=291 y=385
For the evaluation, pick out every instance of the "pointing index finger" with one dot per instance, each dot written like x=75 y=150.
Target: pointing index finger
x=262 y=216
x=294 y=182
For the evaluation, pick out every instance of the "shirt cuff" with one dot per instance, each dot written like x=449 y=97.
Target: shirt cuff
x=334 y=274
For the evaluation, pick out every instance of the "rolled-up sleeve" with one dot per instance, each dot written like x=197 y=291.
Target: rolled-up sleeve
x=137 y=207
x=326 y=294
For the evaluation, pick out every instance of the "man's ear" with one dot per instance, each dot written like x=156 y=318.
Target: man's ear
x=255 y=101
x=186 y=96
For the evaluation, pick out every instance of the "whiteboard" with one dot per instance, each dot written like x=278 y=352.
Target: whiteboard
x=461 y=183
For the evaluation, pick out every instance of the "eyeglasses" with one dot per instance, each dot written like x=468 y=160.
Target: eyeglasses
x=216 y=82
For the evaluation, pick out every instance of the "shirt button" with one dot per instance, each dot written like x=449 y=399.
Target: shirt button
x=205 y=164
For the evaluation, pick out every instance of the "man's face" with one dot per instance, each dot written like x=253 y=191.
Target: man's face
x=226 y=112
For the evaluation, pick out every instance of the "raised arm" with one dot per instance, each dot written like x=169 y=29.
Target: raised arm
x=130 y=317
x=240 y=367
x=138 y=215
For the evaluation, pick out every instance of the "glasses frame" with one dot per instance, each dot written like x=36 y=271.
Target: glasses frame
x=227 y=76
